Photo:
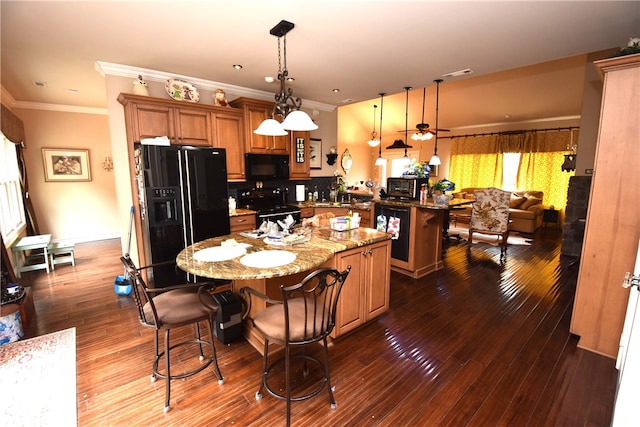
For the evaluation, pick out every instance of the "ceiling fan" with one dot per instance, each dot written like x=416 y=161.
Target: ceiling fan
x=423 y=131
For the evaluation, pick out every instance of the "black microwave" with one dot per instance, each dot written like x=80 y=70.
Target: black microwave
x=266 y=167
x=406 y=188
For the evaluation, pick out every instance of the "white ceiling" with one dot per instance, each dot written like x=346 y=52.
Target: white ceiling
x=360 y=47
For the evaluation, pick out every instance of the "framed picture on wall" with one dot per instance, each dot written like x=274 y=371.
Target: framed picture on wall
x=66 y=164
x=315 y=154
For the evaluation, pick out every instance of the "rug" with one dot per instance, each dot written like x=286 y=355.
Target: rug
x=38 y=381
x=514 y=237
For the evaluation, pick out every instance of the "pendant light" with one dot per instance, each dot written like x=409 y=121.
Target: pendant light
x=405 y=159
x=435 y=160
x=380 y=161
x=422 y=133
x=374 y=142
x=287 y=106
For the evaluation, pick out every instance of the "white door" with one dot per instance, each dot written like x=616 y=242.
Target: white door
x=625 y=412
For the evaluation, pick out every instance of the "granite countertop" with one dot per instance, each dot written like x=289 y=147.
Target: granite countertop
x=324 y=243
x=361 y=205
x=427 y=205
x=241 y=212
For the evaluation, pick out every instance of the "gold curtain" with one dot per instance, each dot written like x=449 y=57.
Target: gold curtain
x=541 y=165
x=476 y=161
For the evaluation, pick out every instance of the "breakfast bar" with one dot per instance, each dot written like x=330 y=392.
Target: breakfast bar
x=264 y=266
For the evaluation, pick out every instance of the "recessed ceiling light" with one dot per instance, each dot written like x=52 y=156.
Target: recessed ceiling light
x=291 y=79
x=336 y=90
x=40 y=84
x=269 y=79
x=237 y=66
x=346 y=101
x=73 y=90
x=458 y=73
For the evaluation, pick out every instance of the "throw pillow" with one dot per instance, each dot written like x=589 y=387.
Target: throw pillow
x=531 y=201
x=516 y=201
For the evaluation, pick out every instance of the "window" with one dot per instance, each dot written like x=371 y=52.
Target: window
x=510 y=165
x=12 y=219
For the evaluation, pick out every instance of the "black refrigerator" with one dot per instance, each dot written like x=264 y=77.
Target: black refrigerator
x=183 y=199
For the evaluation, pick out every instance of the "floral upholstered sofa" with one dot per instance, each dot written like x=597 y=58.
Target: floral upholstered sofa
x=525 y=209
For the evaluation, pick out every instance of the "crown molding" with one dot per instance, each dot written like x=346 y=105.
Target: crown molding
x=232 y=91
x=9 y=101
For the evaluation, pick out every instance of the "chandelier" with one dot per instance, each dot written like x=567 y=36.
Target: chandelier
x=287 y=106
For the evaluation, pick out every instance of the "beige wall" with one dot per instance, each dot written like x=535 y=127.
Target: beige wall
x=76 y=211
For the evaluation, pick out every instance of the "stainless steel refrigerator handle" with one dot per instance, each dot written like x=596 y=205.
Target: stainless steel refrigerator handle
x=182 y=198
x=189 y=204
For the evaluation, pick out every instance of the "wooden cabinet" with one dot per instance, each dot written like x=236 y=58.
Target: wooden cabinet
x=255 y=112
x=336 y=211
x=365 y=217
x=228 y=129
x=307 y=212
x=365 y=294
x=242 y=222
x=187 y=124
x=612 y=227
x=299 y=157
x=183 y=125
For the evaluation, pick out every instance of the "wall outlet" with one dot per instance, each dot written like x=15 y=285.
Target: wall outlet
x=588 y=171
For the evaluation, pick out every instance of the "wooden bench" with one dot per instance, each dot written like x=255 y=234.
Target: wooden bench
x=60 y=253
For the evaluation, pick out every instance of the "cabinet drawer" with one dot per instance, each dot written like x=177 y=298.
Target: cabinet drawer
x=242 y=223
x=306 y=212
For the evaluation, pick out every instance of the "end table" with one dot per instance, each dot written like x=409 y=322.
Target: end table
x=551 y=215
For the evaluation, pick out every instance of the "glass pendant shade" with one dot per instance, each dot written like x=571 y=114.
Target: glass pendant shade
x=373 y=142
x=270 y=127
x=298 y=120
x=380 y=161
x=435 y=160
x=422 y=136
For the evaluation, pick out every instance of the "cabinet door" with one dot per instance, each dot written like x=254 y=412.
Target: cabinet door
x=229 y=134
x=378 y=279
x=350 y=305
x=193 y=127
x=255 y=115
x=299 y=157
x=150 y=121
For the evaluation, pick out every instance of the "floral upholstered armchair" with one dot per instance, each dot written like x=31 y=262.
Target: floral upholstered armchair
x=490 y=215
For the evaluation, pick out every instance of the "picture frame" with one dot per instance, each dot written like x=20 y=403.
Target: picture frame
x=315 y=153
x=66 y=164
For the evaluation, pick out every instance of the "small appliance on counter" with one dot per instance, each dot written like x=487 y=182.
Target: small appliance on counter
x=405 y=187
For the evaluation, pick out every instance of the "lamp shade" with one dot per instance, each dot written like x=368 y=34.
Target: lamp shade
x=435 y=160
x=270 y=127
x=298 y=120
x=373 y=142
x=380 y=161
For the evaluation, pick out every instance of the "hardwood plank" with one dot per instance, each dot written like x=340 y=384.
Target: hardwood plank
x=478 y=343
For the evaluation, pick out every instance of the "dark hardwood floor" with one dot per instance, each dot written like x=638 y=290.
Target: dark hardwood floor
x=478 y=343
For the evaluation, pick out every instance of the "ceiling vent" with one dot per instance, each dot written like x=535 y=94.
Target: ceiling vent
x=458 y=73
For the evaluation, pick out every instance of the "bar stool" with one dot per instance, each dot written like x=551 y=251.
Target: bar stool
x=306 y=315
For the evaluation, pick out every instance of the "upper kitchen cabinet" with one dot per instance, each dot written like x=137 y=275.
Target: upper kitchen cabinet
x=299 y=157
x=151 y=117
x=187 y=124
x=255 y=112
x=228 y=129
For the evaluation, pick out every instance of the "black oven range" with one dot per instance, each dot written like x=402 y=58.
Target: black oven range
x=270 y=204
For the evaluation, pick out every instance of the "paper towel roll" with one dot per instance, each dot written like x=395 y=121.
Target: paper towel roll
x=300 y=196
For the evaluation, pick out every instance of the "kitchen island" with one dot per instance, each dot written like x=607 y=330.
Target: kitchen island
x=365 y=294
x=418 y=249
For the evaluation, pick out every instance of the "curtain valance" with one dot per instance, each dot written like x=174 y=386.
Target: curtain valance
x=516 y=142
x=12 y=126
